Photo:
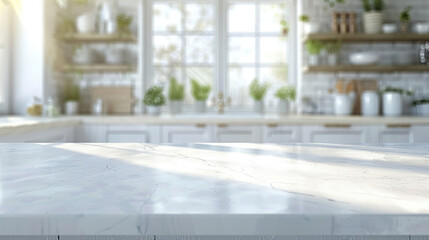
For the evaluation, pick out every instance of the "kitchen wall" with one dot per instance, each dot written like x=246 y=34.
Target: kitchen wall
x=315 y=84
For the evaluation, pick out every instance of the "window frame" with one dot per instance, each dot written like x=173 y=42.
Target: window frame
x=5 y=104
x=221 y=38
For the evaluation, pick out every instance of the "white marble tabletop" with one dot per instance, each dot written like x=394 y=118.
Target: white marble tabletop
x=213 y=189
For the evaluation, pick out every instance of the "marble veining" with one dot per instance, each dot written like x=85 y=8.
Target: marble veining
x=213 y=189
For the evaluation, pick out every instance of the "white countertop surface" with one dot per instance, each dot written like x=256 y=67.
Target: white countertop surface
x=213 y=189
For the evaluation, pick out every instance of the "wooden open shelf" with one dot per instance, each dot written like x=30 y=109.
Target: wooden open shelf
x=98 y=68
x=362 y=37
x=76 y=38
x=367 y=68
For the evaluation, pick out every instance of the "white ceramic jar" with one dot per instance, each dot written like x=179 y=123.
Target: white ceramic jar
x=85 y=23
x=370 y=104
x=392 y=104
x=343 y=104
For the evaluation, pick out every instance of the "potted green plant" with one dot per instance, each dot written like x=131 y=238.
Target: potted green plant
x=422 y=107
x=309 y=27
x=405 y=18
x=285 y=27
x=176 y=95
x=154 y=99
x=258 y=91
x=200 y=92
x=333 y=48
x=123 y=23
x=373 y=16
x=314 y=48
x=71 y=98
x=286 y=95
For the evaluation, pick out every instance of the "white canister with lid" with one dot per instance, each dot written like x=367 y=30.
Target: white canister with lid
x=370 y=104
x=343 y=104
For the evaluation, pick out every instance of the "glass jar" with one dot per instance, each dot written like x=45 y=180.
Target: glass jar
x=35 y=107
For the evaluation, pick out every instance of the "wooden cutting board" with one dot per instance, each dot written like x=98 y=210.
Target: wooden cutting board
x=116 y=100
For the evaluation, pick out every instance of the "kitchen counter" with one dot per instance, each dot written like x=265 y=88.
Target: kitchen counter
x=13 y=125
x=213 y=189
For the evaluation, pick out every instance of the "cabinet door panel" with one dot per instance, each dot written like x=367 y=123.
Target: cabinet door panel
x=282 y=134
x=238 y=134
x=133 y=134
x=421 y=134
x=346 y=135
x=186 y=134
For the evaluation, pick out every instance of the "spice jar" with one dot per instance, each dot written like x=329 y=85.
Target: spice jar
x=35 y=107
x=334 y=22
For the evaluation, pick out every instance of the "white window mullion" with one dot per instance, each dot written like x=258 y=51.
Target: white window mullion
x=222 y=45
x=4 y=57
x=257 y=39
x=183 y=37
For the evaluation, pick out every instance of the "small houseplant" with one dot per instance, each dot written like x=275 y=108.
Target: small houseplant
x=392 y=101
x=258 y=91
x=373 y=16
x=286 y=95
x=176 y=95
x=422 y=107
x=309 y=27
x=314 y=48
x=333 y=48
x=71 y=98
x=123 y=22
x=405 y=18
x=154 y=99
x=200 y=92
x=284 y=27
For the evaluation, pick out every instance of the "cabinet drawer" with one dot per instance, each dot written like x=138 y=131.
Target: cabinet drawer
x=282 y=134
x=187 y=134
x=337 y=134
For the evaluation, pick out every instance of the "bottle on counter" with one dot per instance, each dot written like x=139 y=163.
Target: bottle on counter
x=51 y=108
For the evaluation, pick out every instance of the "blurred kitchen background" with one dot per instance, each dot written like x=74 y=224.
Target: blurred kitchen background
x=337 y=65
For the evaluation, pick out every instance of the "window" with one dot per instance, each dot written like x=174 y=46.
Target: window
x=4 y=35
x=183 y=42
x=226 y=43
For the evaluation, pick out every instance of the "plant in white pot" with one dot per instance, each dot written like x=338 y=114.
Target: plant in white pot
x=176 y=95
x=405 y=18
x=422 y=107
x=392 y=102
x=314 y=49
x=373 y=16
x=309 y=27
x=286 y=96
x=71 y=98
x=154 y=99
x=258 y=91
x=333 y=48
x=200 y=92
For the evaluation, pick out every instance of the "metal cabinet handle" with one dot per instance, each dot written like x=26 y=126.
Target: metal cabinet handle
x=398 y=125
x=200 y=125
x=272 y=125
x=222 y=125
x=338 y=125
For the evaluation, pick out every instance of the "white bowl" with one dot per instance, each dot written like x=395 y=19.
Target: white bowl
x=85 y=23
x=310 y=28
x=389 y=28
x=115 y=56
x=364 y=58
x=421 y=27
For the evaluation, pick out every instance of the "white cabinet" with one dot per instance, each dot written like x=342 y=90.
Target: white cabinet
x=93 y=133
x=53 y=135
x=337 y=134
x=274 y=133
x=133 y=134
x=402 y=133
x=421 y=134
x=237 y=134
x=119 y=133
x=200 y=133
